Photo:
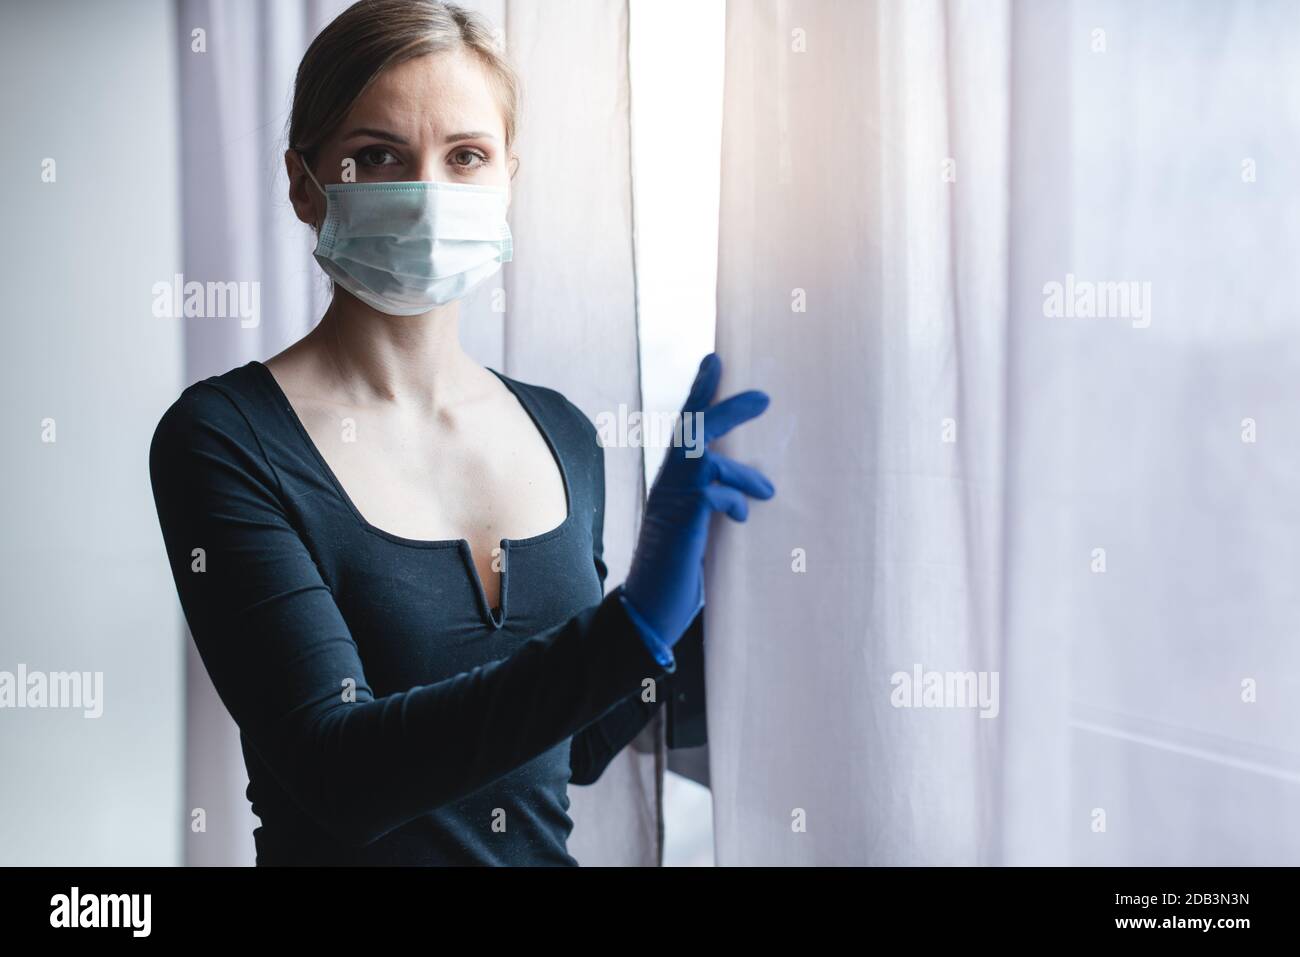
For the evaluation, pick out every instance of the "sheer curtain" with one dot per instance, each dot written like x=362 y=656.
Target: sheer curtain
x=1083 y=510
x=1156 y=521
x=862 y=283
x=238 y=225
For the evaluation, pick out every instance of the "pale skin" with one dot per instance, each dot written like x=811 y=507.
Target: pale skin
x=442 y=450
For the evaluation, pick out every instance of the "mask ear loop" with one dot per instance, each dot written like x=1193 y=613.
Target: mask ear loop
x=312 y=176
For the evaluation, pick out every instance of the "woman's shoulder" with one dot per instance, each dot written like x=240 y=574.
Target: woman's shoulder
x=222 y=406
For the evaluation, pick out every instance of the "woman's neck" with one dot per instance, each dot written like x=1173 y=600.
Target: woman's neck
x=411 y=361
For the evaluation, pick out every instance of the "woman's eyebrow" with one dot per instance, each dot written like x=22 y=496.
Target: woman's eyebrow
x=402 y=141
x=380 y=134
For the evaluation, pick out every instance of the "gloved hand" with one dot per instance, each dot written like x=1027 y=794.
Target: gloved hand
x=664 y=590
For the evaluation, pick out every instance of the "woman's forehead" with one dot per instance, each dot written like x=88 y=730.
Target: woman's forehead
x=436 y=94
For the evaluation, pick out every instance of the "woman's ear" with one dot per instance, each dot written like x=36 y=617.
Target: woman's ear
x=302 y=194
x=510 y=183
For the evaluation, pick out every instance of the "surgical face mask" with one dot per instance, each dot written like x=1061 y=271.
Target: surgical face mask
x=405 y=247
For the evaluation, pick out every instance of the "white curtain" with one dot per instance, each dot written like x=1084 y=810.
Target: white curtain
x=237 y=224
x=1166 y=439
x=865 y=292
x=1095 y=511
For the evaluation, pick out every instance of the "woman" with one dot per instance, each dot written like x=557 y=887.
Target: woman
x=389 y=556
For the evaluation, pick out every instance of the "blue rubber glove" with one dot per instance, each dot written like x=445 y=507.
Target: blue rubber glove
x=664 y=590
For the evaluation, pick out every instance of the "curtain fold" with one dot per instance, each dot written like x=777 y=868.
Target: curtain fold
x=1017 y=278
x=862 y=283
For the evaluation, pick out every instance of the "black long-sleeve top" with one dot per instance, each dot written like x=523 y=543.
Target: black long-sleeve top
x=387 y=715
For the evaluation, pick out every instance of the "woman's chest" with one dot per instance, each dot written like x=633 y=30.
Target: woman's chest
x=418 y=611
x=488 y=477
x=481 y=495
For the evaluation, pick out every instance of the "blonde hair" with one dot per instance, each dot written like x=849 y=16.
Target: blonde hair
x=372 y=35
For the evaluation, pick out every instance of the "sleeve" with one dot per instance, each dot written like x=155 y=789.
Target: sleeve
x=596 y=745
x=284 y=663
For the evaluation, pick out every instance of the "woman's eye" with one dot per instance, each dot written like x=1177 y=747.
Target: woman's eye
x=376 y=156
x=465 y=159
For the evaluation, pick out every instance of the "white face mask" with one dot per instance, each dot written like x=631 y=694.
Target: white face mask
x=404 y=247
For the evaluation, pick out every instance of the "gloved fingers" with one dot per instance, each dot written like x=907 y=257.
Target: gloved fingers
x=705 y=385
x=724 y=498
x=730 y=412
x=738 y=475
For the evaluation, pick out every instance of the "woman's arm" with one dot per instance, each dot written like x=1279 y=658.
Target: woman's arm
x=286 y=666
x=596 y=745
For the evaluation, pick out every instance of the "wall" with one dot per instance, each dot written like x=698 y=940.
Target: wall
x=83 y=581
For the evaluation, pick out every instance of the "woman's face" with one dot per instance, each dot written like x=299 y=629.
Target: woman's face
x=433 y=118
